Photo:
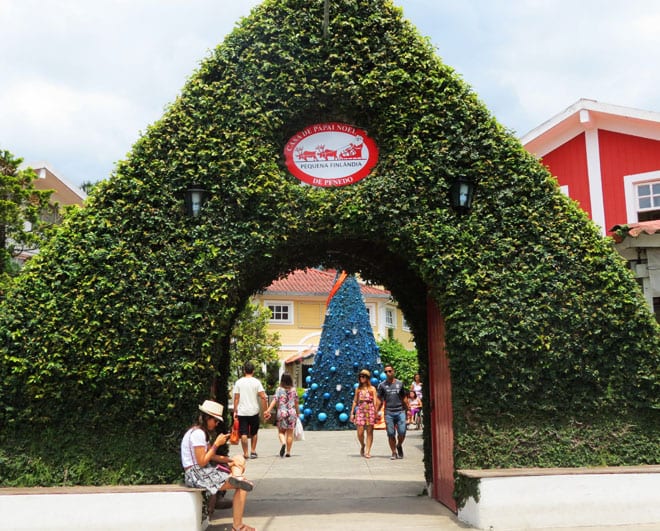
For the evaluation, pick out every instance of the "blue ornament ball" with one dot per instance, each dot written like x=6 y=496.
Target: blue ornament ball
x=301 y=417
x=333 y=369
x=374 y=381
x=355 y=385
x=314 y=386
x=322 y=417
x=383 y=376
x=343 y=417
x=339 y=407
x=355 y=364
x=376 y=373
x=326 y=396
x=301 y=408
x=307 y=411
x=308 y=379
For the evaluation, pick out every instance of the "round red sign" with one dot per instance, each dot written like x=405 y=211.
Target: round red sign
x=330 y=154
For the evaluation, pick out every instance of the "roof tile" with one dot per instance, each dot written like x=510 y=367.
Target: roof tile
x=316 y=282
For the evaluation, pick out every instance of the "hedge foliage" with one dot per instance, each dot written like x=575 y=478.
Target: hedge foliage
x=124 y=318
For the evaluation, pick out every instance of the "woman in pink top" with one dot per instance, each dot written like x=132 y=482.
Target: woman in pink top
x=363 y=412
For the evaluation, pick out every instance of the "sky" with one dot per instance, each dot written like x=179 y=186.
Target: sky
x=81 y=80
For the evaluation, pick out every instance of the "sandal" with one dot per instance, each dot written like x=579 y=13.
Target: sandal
x=253 y=455
x=243 y=527
x=239 y=482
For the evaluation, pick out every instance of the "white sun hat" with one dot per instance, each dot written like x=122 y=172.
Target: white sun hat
x=212 y=408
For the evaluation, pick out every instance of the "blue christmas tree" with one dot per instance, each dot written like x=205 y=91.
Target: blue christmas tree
x=347 y=346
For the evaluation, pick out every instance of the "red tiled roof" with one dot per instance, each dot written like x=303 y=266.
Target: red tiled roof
x=316 y=282
x=635 y=229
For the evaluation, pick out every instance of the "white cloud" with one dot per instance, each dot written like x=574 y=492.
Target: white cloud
x=80 y=79
x=68 y=123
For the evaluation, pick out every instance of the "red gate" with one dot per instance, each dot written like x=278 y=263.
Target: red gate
x=441 y=425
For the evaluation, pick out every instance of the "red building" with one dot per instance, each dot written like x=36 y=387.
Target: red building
x=607 y=158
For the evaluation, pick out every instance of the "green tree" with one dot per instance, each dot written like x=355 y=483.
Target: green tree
x=405 y=362
x=251 y=341
x=24 y=213
x=347 y=345
x=88 y=186
x=125 y=315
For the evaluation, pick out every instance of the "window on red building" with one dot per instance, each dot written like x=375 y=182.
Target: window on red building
x=648 y=201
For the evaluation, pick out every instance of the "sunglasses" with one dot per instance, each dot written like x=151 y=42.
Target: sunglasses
x=363 y=375
x=389 y=371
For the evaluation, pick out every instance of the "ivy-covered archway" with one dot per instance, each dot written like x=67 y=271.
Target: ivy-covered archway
x=126 y=315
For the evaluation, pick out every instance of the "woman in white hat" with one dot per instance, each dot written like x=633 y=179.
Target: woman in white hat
x=200 y=463
x=363 y=412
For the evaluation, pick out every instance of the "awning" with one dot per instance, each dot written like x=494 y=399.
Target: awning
x=301 y=355
x=635 y=229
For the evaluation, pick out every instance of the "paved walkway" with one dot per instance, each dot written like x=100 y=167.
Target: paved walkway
x=325 y=485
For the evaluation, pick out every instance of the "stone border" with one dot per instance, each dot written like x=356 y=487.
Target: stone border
x=536 y=498
x=108 y=508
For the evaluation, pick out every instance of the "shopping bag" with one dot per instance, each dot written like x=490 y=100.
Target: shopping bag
x=234 y=437
x=298 y=432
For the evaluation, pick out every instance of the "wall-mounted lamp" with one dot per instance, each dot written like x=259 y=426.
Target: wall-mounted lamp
x=461 y=194
x=194 y=198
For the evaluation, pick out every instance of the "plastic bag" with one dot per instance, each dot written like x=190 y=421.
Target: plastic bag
x=298 y=432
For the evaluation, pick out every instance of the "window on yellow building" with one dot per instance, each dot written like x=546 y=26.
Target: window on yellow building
x=280 y=312
x=371 y=310
x=390 y=318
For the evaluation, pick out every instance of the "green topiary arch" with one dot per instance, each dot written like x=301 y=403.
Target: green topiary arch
x=126 y=315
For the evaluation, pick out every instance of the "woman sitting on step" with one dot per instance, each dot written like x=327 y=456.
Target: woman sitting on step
x=201 y=463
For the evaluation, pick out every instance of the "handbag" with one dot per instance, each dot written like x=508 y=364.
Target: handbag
x=234 y=437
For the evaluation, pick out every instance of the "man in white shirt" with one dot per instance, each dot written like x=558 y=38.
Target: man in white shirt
x=248 y=392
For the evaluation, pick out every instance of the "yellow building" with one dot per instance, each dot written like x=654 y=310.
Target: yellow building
x=297 y=304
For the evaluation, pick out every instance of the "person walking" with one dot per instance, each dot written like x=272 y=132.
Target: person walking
x=416 y=385
x=392 y=392
x=286 y=402
x=248 y=392
x=414 y=409
x=363 y=412
x=200 y=463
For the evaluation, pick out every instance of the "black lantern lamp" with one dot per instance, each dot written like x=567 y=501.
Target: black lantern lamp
x=195 y=197
x=461 y=194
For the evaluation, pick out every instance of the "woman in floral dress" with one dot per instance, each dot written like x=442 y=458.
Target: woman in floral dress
x=363 y=412
x=286 y=401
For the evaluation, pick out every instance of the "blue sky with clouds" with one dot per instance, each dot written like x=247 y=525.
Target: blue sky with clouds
x=81 y=79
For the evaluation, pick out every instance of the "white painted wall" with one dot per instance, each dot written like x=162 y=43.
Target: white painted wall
x=535 y=502
x=128 y=511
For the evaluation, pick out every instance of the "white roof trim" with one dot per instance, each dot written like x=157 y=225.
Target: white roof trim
x=587 y=114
